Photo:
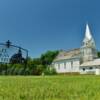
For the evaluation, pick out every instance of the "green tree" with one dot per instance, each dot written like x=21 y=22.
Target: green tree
x=34 y=66
x=48 y=57
x=98 y=54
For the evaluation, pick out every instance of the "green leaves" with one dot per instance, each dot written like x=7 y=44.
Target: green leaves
x=35 y=66
x=48 y=57
x=98 y=54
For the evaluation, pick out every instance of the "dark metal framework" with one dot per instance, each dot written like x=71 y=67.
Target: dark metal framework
x=8 y=45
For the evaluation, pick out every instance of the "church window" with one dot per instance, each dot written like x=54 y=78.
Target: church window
x=64 y=65
x=58 y=66
x=83 y=69
x=91 y=68
x=71 y=65
x=61 y=65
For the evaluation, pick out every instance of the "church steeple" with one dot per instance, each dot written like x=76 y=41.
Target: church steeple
x=88 y=39
x=88 y=49
x=88 y=32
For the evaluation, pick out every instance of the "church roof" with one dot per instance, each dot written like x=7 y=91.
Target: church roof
x=95 y=62
x=67 y=54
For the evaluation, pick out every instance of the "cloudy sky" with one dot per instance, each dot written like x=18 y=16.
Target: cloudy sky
x=41 y=25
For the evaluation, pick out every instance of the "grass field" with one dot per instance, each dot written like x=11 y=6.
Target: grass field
x=50 y=87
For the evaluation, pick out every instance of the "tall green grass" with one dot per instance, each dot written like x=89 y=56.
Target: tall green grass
x=50 y=87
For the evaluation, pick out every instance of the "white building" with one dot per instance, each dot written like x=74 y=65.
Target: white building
x=82 y=60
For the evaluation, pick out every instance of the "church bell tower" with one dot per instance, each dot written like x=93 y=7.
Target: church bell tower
x=88 y=48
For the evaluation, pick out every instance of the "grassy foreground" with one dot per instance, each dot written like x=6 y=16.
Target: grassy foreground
x=50 y=88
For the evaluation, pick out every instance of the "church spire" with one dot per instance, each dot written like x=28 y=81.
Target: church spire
x=88 y=32
x=88 y=35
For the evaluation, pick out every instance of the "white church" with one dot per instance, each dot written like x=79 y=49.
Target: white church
x=83 y=60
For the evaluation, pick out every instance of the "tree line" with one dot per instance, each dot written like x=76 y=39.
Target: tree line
x=34 y=66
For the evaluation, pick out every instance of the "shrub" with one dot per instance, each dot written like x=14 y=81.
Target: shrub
x=50 y=71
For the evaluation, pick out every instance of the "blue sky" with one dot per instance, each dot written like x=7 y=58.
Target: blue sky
x=41 y=25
